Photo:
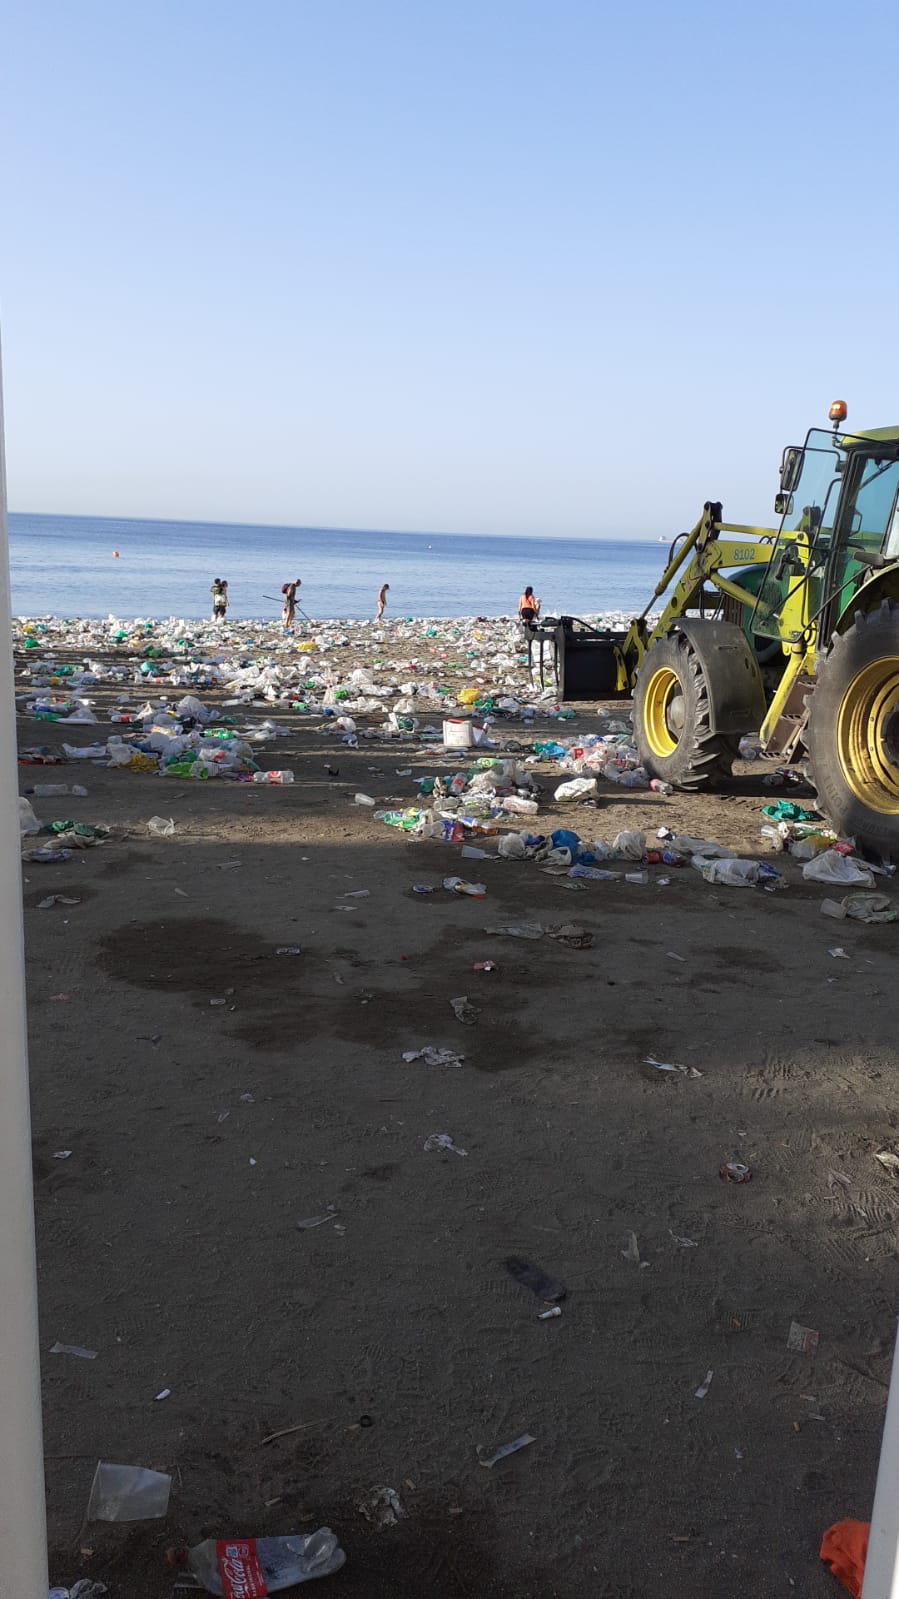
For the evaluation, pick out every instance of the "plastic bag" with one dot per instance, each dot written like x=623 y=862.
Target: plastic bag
x=735 y=873
x=684 y=844
x=92 y=752
x=577 y=789
x=832 y=867
x=28 y=822
x=630 y=846
x=513 y=846
x=805 y=849
x=193 y=708
x=869 y=908
x=128 y=1493
x=84 y=1588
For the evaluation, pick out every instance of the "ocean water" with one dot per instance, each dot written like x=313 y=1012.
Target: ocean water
x=65 y=566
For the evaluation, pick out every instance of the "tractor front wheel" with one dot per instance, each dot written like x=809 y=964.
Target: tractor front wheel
x=672 y=718
x=852 y=737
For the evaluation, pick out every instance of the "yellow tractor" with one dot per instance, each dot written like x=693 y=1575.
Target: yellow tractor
x=789 y=632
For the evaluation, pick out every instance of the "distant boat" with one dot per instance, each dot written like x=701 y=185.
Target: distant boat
x=662 y=539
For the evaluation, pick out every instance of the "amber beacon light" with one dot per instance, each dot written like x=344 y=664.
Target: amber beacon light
x=838 y=413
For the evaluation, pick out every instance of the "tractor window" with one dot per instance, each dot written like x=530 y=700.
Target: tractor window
x=792 y=582
x=814 y=499
x=891 y=543
x=867 y=527
x=875 y=501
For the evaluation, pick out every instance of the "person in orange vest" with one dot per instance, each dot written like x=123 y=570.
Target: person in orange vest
x=528 y=606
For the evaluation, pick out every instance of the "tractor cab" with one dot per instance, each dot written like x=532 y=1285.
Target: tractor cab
x=839 y=508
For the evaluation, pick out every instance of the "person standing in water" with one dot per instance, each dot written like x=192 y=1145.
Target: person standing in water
x=382 y=600
x=289 y=590
x=528 y=607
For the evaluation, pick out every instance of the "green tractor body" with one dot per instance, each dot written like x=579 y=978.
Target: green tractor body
x=792 y=633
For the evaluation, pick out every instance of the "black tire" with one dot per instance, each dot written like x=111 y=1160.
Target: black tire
x=671 y=718
x=852 y=736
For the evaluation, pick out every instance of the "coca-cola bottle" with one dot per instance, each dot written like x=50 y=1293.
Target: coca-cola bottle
x=250 y=1568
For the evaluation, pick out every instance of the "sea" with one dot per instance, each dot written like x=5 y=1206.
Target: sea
x=93 y=566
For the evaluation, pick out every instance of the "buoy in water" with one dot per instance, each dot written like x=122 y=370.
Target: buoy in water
x=116 y=554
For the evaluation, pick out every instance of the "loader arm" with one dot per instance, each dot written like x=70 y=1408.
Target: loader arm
x=700 y=559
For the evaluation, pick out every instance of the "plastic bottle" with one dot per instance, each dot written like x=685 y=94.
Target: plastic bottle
x=516 y=806
x=242 y=1568
x=48 y=790
x=277 y=778
x=658 y=787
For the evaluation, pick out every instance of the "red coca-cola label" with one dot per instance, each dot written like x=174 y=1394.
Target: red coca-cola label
x=240 y=1570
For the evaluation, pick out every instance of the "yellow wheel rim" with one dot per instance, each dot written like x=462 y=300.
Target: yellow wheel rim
x=663 y=711
x=868 y=736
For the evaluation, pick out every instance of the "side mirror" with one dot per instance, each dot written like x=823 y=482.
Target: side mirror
x=783 y=505
x=791 y=468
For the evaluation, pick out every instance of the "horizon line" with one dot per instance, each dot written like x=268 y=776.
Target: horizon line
x=314 y=527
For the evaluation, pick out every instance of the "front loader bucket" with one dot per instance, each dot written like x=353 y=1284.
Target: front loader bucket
x=588 y=661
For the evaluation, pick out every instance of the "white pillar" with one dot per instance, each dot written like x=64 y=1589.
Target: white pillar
x=23 y=1522
x=882 y=1564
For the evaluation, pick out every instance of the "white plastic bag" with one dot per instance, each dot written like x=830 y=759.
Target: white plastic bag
x=577 y=789
x=91 y=752
x=128 y=1493
x=632 y=846
x=28 y=822
x=735 y=873
x=556 y=855
x=832 y=867
x=805 y=849
x=685 y=844
x=512 y=846
x=191 y=707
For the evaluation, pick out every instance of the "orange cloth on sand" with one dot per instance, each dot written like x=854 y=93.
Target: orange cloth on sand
x=844 y=1548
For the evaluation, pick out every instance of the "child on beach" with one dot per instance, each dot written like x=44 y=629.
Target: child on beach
x=382 y=601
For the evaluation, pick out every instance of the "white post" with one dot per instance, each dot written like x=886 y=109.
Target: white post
x=882 y=1563
x=23 y=1519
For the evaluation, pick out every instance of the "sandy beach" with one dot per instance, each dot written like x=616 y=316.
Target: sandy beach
x=198 y=1094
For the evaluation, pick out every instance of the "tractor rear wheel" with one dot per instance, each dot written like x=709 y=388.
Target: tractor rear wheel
x=672 y=718
x=852 y=737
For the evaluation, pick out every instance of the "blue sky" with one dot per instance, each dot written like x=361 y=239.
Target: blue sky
x=492 y=266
